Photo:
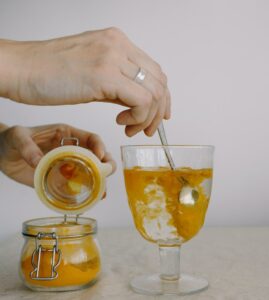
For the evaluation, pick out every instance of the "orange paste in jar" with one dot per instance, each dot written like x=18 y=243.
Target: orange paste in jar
x=80 y=262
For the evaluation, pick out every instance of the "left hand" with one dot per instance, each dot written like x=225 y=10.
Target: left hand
x=21 y=148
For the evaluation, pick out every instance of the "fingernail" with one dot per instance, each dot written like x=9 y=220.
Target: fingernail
x=148 y=133
x=102 y=154
x=35 y=160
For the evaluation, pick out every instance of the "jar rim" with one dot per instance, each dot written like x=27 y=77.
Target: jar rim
x=63 y=228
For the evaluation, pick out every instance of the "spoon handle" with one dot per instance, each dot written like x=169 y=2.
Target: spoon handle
x=163 y=139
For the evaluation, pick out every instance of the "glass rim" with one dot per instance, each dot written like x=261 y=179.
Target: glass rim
x=170 y=146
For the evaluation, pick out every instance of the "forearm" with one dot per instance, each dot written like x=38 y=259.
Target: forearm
x=12 y=58
x=35 y=73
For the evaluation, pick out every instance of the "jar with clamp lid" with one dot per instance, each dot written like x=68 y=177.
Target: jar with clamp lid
x=62 y=253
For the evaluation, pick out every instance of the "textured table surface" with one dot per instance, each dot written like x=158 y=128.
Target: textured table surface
x=234 y=260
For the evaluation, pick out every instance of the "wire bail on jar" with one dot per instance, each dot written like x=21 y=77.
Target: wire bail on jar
x=66 y=218
x=74 y=139
x=36 y=263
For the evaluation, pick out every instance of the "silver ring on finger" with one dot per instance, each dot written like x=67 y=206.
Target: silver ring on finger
x=140 y=76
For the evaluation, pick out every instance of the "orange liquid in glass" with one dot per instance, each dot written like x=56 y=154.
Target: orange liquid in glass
x=154 y=197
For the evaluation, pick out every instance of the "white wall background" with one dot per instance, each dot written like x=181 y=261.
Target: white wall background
x=215 y=54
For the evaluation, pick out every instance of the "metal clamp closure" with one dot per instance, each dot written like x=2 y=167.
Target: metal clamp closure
x=37 y=256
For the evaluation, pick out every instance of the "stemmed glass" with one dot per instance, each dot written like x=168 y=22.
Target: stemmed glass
x=168 y=207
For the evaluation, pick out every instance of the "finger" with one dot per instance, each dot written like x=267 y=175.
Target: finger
x=150 y=130
x=97 y=146
x=48 y=137
x=155 y=88
x=133 y=116
x=151 y=83
x=134 y=129
x=137 y=98
x=143 y=60
x=88 y=140
x=131 y=93
x=109 y=159
x=25 y=145
x=104 y=195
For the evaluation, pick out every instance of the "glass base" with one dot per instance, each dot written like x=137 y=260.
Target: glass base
x=154 y=285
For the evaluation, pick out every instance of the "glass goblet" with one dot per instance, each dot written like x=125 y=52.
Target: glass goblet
x=168 y=207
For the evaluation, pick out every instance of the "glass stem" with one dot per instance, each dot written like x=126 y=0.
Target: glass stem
x=170 y=262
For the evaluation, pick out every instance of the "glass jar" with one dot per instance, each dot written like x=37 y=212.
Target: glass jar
x=70 y=179
x=60 y=254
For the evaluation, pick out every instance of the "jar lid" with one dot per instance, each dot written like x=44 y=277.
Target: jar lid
x=68 y=179
x=64 y=228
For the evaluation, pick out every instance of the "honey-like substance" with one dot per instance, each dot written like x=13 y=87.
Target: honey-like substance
x=80 y=263
x=154 y=198
x=76 y=178
x=70 y=185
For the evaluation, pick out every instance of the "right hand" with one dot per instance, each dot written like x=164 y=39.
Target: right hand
x=93 y=66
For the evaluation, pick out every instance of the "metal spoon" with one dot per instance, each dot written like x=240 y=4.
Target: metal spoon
x=188 y=195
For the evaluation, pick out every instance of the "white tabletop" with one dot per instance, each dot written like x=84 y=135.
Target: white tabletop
x=234 y=260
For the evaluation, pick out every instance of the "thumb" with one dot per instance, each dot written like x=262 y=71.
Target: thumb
x=27 y=148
